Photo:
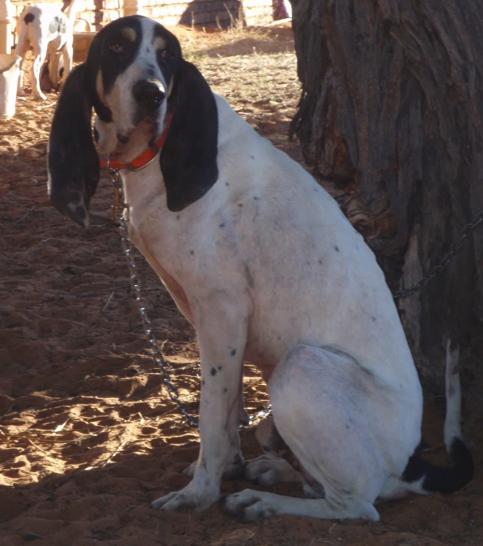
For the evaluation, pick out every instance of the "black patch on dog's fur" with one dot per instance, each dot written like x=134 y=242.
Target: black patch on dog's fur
x=29 y=18
x=58 y=24
x=110 y=62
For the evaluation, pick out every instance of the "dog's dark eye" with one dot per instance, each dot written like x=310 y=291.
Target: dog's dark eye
x=116 y=47
x=163 y=53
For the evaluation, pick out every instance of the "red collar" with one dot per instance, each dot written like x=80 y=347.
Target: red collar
x=144 y=157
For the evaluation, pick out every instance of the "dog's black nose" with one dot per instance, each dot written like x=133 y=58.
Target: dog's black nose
x=148 y=94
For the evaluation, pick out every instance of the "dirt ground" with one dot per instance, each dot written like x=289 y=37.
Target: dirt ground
x=87 y=436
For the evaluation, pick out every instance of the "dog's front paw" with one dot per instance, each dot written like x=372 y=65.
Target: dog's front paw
x=232 y=471
x=188 y=497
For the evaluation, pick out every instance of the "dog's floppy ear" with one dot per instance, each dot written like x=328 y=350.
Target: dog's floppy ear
x=72 y=158
x=188 y=158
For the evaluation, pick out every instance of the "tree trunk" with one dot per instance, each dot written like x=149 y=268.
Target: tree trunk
x=391 y=109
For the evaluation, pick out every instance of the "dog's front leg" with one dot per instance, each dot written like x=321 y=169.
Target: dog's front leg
x=221 y=329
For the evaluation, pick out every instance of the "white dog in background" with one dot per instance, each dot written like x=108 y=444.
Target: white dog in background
x=46 y=29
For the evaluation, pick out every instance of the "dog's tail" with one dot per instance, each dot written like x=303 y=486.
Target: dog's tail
x=424 y=477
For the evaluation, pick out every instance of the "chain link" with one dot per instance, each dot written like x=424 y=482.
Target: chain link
x=155 y=349
x=435 y=271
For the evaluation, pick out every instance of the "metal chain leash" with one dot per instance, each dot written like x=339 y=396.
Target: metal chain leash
x=468 y=229
x=119 y=214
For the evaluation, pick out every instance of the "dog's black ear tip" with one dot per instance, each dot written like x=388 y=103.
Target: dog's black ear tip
x=175 y=205
x=75 y=210
x=80 y=216
x=183 y=196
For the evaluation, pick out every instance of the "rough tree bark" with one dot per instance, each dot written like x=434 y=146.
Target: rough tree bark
x=391 y=108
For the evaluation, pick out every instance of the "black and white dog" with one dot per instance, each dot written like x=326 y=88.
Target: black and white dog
x=265 y=266
x=46 y=29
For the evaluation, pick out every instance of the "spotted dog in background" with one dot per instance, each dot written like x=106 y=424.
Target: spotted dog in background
x=265 y=266
x=47 y=29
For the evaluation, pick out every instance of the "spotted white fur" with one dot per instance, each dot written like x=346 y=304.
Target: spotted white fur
x=266 y=268
x=44 y=28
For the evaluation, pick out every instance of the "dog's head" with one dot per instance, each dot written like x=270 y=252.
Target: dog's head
x=133 y=78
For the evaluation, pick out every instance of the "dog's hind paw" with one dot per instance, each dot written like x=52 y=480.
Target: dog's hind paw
x=269 y=469
x=249 y=505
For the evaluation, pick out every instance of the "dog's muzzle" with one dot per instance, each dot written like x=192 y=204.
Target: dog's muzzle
x=149 y=95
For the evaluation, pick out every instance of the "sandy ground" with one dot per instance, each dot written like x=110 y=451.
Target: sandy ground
x=87 y=437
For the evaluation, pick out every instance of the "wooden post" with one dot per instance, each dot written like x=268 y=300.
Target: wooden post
x=7 y=26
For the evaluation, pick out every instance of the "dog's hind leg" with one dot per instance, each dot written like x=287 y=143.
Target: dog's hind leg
x=328 y=411
x=60 y=62
x=272 y=467
x=68 y=59
x=21 y=51
x=40 y=53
